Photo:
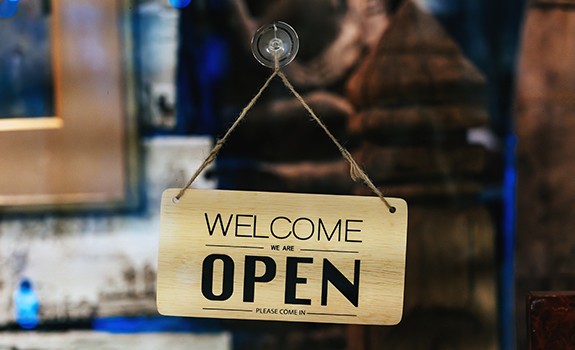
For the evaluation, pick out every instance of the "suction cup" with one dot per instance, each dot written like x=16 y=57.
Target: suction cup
x=279 y=39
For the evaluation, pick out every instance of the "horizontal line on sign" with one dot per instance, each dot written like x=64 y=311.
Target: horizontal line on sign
x=233 y=246
x=330 y=251
x=327 y=314
x=222 y=309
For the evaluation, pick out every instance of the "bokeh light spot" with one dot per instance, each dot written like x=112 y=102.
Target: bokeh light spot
x=180 y=3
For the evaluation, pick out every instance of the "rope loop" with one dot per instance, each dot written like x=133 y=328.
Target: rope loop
x=355 y=171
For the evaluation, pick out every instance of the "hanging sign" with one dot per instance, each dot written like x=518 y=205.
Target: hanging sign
x=282 y=256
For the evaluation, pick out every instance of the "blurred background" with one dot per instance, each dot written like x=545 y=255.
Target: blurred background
x=459 y=106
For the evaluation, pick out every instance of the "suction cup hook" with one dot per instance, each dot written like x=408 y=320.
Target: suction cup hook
x=278 y=38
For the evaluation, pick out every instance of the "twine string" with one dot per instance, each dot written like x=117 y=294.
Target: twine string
x=220 y=142
x=355 y=171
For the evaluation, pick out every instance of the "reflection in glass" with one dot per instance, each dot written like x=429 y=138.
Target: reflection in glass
x=26 y=78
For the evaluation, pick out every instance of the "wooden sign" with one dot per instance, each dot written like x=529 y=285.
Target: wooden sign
x=282 y=256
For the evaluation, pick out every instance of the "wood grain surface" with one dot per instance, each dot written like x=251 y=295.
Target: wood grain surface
x=275 y=243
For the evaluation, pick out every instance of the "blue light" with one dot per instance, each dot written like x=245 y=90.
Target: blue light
x=180 y=4
x=507 y=277
x=8 y=8
x=26 y=305
x=156 y=324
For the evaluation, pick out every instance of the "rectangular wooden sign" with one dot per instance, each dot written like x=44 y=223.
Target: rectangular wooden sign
x=282 y=256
